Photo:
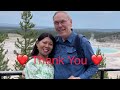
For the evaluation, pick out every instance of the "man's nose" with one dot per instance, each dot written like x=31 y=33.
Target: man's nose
x=59 y=24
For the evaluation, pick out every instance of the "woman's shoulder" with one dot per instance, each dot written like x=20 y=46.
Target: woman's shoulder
x=33 y=62
x=30 y=62
x=30 y=65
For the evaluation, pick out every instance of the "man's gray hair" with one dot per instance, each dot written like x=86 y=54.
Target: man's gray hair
x=61 y=12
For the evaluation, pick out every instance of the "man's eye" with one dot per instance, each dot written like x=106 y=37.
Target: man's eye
x=62 y=21
x=56 y=23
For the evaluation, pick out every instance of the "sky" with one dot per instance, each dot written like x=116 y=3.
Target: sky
x=80 y=19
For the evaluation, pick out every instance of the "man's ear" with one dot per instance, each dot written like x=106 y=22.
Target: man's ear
x=71 y=22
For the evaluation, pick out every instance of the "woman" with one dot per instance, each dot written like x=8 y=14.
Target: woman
x=36 y=68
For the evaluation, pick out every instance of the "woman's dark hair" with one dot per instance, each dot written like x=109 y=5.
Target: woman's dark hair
x=35 y=51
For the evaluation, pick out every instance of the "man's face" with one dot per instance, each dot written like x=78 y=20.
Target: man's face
x=62 y=24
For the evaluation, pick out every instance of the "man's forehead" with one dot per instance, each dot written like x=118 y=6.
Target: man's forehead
x=61 y=15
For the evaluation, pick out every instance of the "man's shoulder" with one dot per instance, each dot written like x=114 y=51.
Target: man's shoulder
x=83 y=38
x=57 y=37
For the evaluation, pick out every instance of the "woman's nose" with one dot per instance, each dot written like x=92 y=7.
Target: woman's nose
x=46 y=45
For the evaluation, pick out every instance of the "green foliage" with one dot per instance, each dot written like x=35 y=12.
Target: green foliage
x=29 y=36
x=3 y=36
x=101 y=65
x=3 y=63
x=99 y=36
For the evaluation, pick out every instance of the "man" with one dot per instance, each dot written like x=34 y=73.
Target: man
x=67 y=68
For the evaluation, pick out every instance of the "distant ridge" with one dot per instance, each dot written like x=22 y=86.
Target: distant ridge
x=100 y=30
x=6 y=26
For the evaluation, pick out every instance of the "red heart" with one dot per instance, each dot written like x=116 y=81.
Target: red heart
x=96 y=59
x=22 y=59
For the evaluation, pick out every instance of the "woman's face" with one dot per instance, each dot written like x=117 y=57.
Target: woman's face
x=45 y=46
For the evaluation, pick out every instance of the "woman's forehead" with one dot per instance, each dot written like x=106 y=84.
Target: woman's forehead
x=47 y=39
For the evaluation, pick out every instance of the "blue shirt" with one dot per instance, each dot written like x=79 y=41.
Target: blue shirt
x=67 y=63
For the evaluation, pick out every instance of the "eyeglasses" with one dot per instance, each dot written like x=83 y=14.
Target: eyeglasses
x=62 y=22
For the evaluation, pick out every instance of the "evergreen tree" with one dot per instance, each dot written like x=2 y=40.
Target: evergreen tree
x=3 y=63
x=3 y=36
x=101 y=65
x=29 y=36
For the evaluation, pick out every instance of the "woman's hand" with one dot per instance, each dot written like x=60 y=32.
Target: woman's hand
x=23 y=75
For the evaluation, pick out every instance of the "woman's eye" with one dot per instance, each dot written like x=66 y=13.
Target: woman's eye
x=45 y=42
x=51 y=44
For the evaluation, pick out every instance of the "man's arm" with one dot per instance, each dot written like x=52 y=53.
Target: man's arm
x=91 y=67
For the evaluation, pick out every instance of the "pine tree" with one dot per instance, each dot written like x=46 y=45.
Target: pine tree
x=3 y=36
x=29 y=36
x=3 y=63
x=101 y=65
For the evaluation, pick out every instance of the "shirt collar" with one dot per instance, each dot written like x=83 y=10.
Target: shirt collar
x=70 y=38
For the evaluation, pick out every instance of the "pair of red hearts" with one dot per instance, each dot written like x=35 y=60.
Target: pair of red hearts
x=23 y=59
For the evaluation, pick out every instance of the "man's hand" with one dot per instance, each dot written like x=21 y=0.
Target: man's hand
x=72 y=77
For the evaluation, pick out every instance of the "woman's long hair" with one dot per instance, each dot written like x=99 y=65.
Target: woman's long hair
x=35 y=51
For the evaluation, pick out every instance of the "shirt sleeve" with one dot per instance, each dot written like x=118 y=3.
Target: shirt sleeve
x=91 y=68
